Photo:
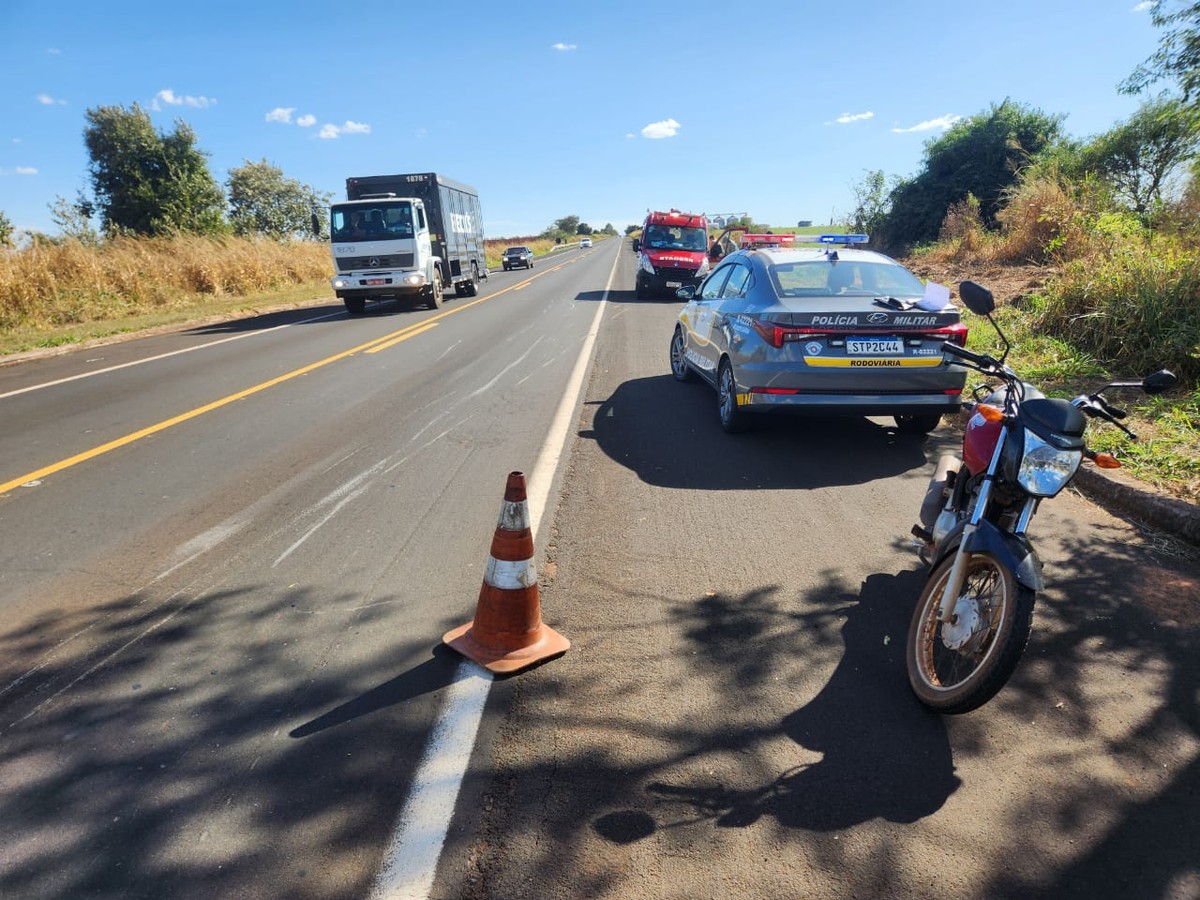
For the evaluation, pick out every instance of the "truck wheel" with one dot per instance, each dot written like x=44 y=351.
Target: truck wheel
x=355 y=305
x=472 y=286
x=433 y=293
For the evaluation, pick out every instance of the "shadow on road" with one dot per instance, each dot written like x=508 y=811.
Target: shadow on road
x=882 y=754
x=783 y=452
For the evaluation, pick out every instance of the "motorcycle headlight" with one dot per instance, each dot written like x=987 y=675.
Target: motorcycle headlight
x=1045 y=470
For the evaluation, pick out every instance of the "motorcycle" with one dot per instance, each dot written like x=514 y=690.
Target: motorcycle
x=975 y=612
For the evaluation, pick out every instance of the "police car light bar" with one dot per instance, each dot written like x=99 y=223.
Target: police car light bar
x=784 y=240
x=835 y=238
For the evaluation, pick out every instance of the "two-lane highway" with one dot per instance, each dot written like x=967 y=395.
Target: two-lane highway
x=228 y=557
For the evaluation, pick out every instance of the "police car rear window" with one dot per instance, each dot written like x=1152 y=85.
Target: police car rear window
x=845 y=278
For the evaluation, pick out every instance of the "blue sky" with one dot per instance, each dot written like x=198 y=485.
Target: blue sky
x=600 y=110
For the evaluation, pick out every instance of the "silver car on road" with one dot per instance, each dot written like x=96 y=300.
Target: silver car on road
x=830 y=330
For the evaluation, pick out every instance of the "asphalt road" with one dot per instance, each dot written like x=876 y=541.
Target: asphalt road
x=229 y=555
x=225 y=572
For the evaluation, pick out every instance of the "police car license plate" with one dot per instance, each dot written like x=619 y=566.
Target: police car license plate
x=875 y=346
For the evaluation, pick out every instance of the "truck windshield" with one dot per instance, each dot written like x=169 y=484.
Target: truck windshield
x=383 y=220
x=672 y=237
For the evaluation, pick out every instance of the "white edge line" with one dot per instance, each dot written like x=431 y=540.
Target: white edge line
x=138 y=362
x=410 y=862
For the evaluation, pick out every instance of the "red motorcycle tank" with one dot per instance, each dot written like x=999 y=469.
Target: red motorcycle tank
x=979 y=443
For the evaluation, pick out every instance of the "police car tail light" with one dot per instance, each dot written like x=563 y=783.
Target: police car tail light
x=778 y=335
x=954 y=334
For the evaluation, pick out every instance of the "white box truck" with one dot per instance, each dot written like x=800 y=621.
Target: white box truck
x=400 y=236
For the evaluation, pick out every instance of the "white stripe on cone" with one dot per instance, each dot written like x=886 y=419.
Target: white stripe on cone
x=510 y=576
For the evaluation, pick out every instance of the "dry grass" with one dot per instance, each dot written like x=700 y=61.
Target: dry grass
x=50 y=285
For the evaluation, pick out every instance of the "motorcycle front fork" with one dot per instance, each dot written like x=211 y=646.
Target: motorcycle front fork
x=958 y=570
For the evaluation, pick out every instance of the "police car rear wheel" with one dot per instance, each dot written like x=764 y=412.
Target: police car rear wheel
x=679 y=367
x=733 y=418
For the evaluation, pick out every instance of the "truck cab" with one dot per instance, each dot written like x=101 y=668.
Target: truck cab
x=382 y=250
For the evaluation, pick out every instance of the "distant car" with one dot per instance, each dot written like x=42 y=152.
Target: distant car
x=517 y=256
x=776 y=328
x=585 y=242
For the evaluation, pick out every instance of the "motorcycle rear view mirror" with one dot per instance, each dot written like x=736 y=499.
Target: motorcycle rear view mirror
x=979 y=299
x=1156 y=383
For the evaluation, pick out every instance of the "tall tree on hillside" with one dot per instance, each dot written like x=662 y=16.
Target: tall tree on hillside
x=146 y=182
x=1139 y=156
x=6 y=230
x=871 y=203
x=982 y=156
x=1178 y=55
x=263 y=202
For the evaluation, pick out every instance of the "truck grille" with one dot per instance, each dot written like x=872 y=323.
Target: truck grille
x=675 y=269
x=358 y=263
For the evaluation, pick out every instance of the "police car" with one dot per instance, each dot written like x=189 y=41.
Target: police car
x=832 y=329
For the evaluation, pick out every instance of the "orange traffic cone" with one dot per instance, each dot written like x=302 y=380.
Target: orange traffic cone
x=507 y=634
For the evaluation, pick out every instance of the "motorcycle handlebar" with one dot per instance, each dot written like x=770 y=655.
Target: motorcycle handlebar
x=980 y=359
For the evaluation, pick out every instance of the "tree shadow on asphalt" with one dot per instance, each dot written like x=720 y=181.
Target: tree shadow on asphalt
x=783 y=452
x=867 y=750
x=882 y=755
x=133 y=732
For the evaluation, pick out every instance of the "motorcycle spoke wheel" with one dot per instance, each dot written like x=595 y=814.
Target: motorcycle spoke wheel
x=955 y=667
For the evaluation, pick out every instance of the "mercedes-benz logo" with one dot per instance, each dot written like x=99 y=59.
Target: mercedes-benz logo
x=876 y=318
x=373 y=262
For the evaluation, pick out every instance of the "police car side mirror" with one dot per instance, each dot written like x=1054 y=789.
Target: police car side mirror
x=687 y=292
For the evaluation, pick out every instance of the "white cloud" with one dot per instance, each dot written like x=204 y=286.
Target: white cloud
x=942 y=122
x=170 y=98
x=281 y=114
x=53 y=51
x=1143 y=6
x=630 y=135
x=561 y=46
x=847 y=118
x=332 y=132
x=658 y=130
x=26 y=170
x=307 y=120
x=47 y=100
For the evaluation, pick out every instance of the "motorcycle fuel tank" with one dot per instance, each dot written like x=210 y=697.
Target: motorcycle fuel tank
x=979 y=442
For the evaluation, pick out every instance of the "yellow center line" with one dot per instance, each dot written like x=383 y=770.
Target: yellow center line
x=379 y=343
x=404 y=337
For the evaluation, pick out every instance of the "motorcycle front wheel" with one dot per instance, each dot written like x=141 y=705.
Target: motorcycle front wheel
x=957 y=666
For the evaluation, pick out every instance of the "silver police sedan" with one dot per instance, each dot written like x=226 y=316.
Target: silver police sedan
x=829 y=330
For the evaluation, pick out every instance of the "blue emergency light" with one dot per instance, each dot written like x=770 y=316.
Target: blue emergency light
x=843 y=239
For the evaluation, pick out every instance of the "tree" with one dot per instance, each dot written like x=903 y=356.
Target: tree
x=871 y=203
x=583 y=228
x=74 y=220
x=1138 y=156
x=6 y=230
x=1178 y=54
x=263 y=202
x=981 y=155
x=609 y=230
x=147 y=182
